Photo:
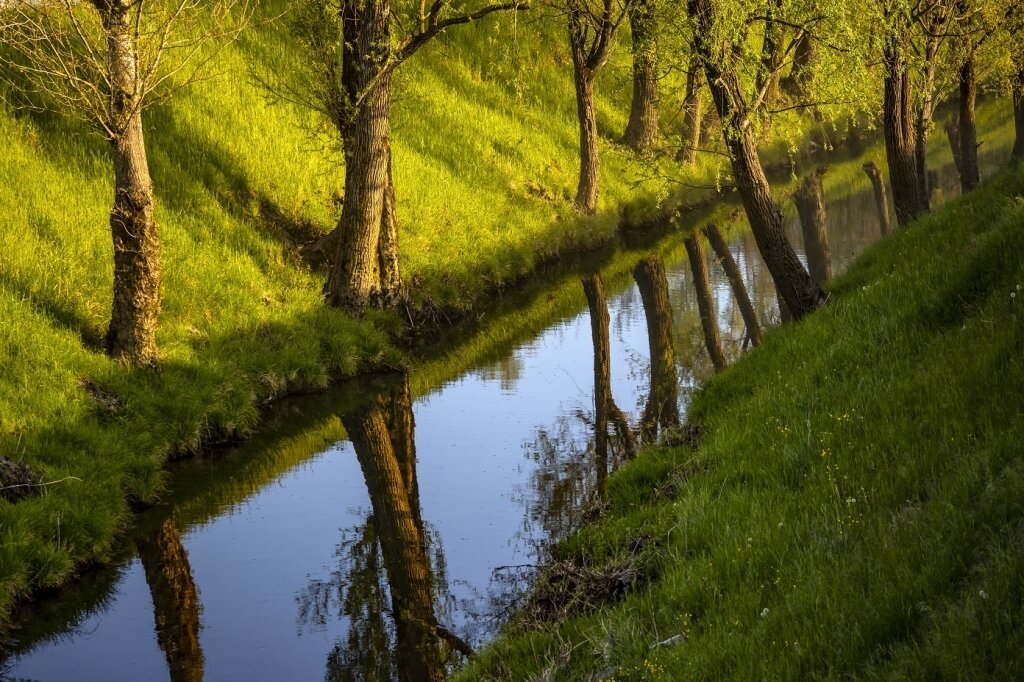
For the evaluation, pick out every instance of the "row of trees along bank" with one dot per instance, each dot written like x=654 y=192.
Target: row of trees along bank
x=860 y=64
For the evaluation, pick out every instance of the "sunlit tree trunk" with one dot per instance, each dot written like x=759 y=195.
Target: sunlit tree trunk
x=810 y=204
x=797 y=287
x=739 y=289
x=881 y=197
x=590 y=157
x=131 y=335
x=364 y=269
x=705 y=301
x=662 y=408
x=176 y=604
x=642 y=128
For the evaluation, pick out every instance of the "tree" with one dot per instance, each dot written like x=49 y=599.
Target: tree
x=809 y=198
x=593 y=25
x=350 y=54
x=874 y=173
x=913 y=34
x=107 y=61
x=715 y=48
x=642 y=129
x=693 y=112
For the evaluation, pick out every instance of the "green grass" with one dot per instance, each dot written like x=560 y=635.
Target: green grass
x=477 y=119
x=854 y=508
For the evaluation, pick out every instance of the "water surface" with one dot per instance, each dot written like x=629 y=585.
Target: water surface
x=381 y=530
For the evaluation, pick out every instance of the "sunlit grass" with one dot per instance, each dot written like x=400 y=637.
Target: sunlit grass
x=853 y=509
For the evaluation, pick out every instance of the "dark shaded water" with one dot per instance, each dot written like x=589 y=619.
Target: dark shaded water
x=373 y=534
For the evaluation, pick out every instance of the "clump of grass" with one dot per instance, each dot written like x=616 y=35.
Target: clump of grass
x=857 y=512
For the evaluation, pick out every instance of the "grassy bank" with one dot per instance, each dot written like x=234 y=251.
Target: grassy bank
x=485 y=159
x=854 y=507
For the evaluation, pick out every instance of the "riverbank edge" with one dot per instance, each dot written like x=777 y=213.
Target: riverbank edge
x=561 y=632
x=233 y=430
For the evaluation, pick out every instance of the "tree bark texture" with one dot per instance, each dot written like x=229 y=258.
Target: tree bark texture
x=771 y=53
x=364 y=271
x=662 y=407
x=881 y=196
x=131 y=336
x=810 y=205
x=739 y=289
x=590 y=157
x=705 y=301
x=970 y=175
x=900 y=139
x=797 y=287
x=642 y=129
x=176 y=604
x=693 y=113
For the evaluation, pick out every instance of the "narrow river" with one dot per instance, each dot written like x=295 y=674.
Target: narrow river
x=374 y=532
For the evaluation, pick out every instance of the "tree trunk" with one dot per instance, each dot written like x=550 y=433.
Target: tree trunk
x=810 y=204
x=662 y=407
x=784 y=313
x=590 y=159
x=705 y=301
x=739 y=289
x=642 y=129
x=390 y=273
x=797 y=287
x=693 y=114
x=795 y=84
x=771 y=53
x=131 y=336
x=1018 y=115
x=364 y=271
x=900 y=141
x=381 y=433
x=176 y=606
x=881 y=198
x=970 y=176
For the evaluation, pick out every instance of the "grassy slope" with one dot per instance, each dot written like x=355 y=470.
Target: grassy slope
x=242 y=322
x=855 y=506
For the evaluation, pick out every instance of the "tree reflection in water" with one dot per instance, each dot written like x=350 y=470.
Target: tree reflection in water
x=661 y=410
x=396 y=638
x=176 y=606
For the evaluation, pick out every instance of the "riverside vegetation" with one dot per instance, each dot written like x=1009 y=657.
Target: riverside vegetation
x=849 y=510
x=486 y=146
x=240 y=183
